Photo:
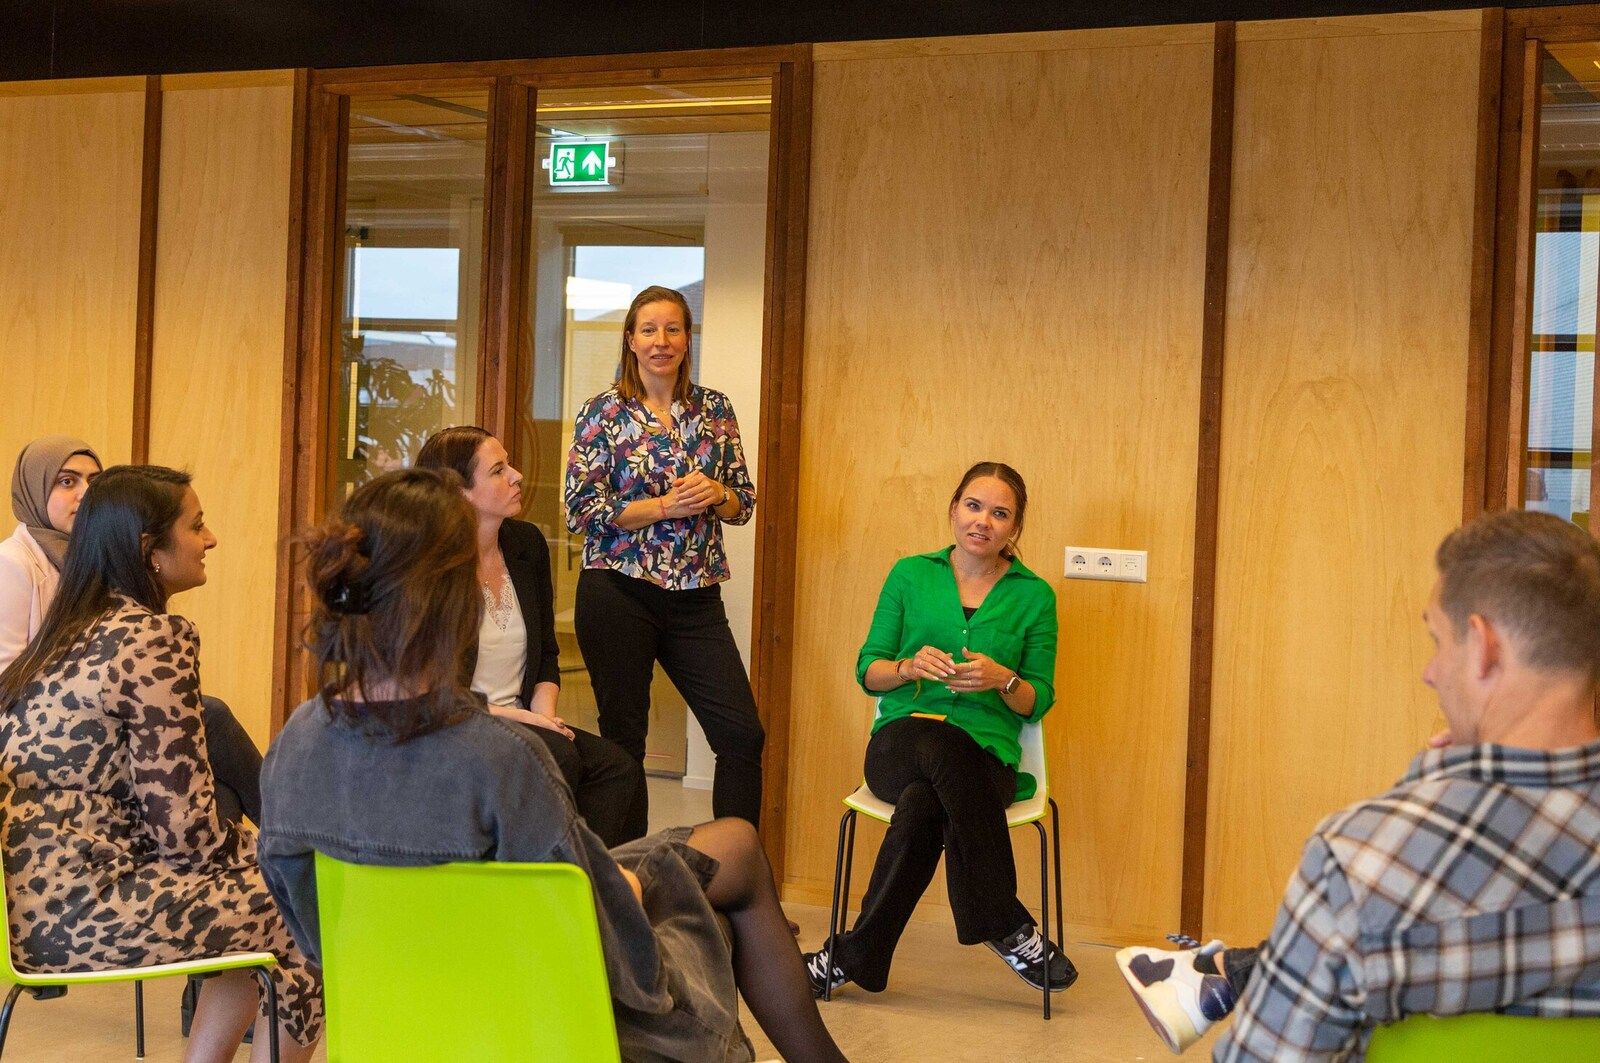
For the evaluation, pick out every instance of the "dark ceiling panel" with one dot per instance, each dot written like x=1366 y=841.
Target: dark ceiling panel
x=25 y=41
x=80 y=38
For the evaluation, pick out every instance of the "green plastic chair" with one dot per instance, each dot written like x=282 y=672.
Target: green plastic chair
x=1485 y=1038
x=43 y=984
x=462 y=961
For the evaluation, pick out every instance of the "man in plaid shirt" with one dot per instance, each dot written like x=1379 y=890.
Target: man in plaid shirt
x=1474 y=883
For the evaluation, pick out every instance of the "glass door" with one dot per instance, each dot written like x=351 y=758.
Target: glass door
x=677 y=196
x=1558 y=445
x=407 y=342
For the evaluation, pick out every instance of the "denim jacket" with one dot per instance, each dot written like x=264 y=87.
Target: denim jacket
x=487 y=789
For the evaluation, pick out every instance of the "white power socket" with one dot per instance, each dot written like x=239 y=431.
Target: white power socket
x=1120 y=566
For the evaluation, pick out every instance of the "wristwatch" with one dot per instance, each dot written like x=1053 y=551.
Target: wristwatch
x=726 y=494
x=1012 y=684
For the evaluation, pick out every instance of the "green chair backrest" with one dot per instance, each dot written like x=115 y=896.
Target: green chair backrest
x=463 y=961
x=1485 y=1038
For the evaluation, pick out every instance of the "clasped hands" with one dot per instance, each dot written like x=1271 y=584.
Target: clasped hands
x=691 y=495
x=978 y=672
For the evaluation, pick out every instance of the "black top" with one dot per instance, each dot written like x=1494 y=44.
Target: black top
x=969 y=610
x=528 y=561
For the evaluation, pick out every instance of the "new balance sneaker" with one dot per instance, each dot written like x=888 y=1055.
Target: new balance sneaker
x=825 y=975
x=1025 y=953
x=1180 y=1000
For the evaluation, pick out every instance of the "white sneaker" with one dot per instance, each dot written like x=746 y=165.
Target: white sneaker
x=1180 y=1001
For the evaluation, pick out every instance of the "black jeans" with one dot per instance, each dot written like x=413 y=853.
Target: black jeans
x=624 y=625
x=236 y=769
x=950 y=796
x=607 y=784
x=235 y=762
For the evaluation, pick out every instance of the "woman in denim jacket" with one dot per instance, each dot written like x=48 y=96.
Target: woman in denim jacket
x=395 y=762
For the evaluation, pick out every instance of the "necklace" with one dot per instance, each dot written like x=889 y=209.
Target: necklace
x=990 y=571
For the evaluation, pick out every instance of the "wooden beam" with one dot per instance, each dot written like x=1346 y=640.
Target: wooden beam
x=1213 y=341
x=284 y=633
x=788 y=179
x=1481 y=301
x=501 y=379
x=145 y=300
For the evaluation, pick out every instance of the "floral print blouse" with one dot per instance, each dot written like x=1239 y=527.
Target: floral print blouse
x=621 y=453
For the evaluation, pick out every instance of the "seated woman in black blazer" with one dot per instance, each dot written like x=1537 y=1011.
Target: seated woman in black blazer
x=516 y=665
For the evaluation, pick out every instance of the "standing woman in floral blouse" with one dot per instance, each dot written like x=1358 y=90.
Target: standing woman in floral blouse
x=656 y=469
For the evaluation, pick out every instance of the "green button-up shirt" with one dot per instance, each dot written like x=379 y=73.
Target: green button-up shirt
x=920 y=605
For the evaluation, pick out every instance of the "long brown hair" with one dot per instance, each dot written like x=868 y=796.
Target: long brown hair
x=454 y=448
x=629 y=385
x=127 y=513
x=394 y=582
x=1012 y=479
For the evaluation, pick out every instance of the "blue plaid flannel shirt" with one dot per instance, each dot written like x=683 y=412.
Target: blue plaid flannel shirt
x=1472 y=885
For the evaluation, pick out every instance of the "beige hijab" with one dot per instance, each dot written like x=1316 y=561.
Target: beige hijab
x=31 y=483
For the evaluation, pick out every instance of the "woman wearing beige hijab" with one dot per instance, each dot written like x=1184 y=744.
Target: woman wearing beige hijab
x=50 y=478
x=47 y=484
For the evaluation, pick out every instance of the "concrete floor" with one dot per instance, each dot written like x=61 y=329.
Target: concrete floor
x=944 y=1002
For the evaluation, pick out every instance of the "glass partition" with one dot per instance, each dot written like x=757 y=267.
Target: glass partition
x=1559 y=444
x=413 y=252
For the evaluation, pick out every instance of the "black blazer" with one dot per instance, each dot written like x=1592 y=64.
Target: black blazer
x=528 y=560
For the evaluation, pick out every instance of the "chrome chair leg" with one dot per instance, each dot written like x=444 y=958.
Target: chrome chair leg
x=5 y=1015
x=138 y=1020
x=264 y=976
x=1044 y=910
x=843 y=857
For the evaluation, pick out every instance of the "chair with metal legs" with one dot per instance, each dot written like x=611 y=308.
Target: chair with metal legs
x=43 y=985
x=1021 y=813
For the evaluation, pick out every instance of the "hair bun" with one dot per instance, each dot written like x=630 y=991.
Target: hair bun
x=339 y=560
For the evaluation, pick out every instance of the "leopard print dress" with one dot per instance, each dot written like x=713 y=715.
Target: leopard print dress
x=113 y=851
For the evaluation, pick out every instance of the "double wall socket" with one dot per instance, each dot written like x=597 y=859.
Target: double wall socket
x=1122 y=566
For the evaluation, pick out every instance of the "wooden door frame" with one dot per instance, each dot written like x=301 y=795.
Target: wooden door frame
x=505 y=349
x=1498 y=393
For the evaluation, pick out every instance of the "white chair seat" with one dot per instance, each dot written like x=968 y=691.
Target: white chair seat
x=1020 y=813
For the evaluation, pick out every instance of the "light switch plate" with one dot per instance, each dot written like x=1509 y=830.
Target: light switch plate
x=1117 y=566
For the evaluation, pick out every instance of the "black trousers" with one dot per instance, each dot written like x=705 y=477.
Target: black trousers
x=607 y=784
x=236 y=769
x=235 y=762
x=950 y=796
x=1238 y=966
x=624 y=625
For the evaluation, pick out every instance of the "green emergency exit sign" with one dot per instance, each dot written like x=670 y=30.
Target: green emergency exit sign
x=575 y=163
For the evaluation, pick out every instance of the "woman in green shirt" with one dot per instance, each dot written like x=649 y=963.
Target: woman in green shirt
x=961 y=651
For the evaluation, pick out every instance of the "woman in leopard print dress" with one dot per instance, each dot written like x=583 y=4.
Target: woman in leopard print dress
x=114 y=853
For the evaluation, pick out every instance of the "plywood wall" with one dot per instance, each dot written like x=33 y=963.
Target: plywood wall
x=217 y=373
x=70 y=156
x=1006 y=261
x=1343 y=425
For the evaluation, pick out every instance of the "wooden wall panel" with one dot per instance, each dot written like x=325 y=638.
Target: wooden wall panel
x=1343 y=426
x=69 y=254
x=1006 y=261
x=218 y=359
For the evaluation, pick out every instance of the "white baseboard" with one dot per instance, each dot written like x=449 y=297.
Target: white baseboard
x=697 y=782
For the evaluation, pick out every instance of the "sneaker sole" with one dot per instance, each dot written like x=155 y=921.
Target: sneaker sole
x=1062 y=988
x=1165 y=1015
